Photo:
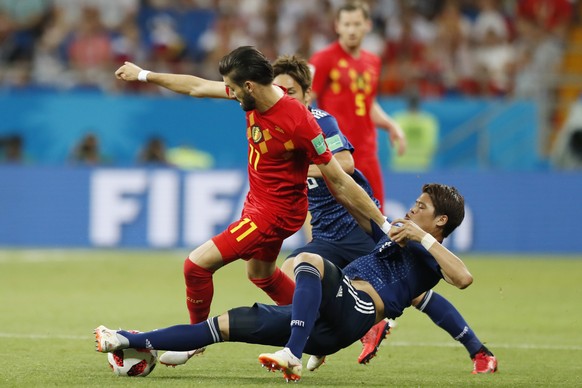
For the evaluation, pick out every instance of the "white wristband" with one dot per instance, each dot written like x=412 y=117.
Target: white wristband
x=143 y=75
x=427 y=241
x=386 y=227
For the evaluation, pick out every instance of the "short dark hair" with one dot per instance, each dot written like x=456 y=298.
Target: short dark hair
x=354 y=6
x=246 y=63
x=296 y=67
x=446 y=201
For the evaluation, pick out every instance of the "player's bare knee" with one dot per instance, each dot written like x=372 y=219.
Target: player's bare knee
x=287 y=268
x=207 y=256
x=418 y=299
x=224 y=326
x=258 y=269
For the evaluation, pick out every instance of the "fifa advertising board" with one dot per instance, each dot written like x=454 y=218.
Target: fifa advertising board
x=168 y=208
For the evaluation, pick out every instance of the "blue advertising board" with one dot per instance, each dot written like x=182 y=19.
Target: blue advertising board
x=533 y=212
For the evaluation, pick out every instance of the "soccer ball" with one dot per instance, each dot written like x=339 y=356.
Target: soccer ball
x=132 y=362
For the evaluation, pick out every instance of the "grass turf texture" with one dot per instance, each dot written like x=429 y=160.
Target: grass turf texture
x=527 y=310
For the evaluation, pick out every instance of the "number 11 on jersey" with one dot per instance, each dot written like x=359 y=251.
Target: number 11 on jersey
x=250 y=226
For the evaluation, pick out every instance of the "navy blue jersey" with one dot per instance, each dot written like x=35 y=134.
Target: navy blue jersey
x=331 y=221
x=397 y=274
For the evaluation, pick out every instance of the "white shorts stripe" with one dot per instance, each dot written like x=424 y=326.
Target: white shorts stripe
x=361 y=306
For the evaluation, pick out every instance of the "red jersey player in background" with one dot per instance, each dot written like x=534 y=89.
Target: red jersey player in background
x=345 y=84
x=283 y=138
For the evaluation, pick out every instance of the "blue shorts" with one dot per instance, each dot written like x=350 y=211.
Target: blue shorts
x=341 y=252
x=341 y=321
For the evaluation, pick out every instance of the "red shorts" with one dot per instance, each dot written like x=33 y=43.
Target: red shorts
x=245 y=239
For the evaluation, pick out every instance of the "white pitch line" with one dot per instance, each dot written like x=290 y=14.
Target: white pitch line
x=453 y=344
x=45 y=336
x=387 y=343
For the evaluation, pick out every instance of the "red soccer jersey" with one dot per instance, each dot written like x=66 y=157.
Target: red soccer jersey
x=346 y=87
x=282 y=143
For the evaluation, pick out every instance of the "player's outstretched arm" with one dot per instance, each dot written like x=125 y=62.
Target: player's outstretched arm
x=351 y=195
x=345 y=160
x=453 y=268
x=179 y=83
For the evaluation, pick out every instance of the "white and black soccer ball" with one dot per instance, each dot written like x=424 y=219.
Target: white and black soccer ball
x=132 y=362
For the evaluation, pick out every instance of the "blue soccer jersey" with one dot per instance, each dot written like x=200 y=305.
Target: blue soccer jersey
x=397 y=274
x=330 y=220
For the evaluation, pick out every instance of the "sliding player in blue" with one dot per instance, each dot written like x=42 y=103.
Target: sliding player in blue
x=337 y=237
x=409 y=261
x=334 y=232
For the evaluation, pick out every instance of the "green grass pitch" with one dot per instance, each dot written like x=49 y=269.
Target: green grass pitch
x=526 y=309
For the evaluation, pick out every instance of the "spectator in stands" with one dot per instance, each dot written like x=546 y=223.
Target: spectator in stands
x=11 y=149
x=493 y=54
x=551 y=16
x=154 y=152
x=113 y=13
x=451 y=50
x=90 y=52
x=405 y=58
x=49 y=68
x=421 y=129
x=541 y=27
x=567 y=149
x=427 y=41
x=188 y=157
x=160 y=23
x=87 y=152
x=21 y=23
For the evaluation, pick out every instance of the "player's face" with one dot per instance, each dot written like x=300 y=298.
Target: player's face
x=293 y=88
x=244 y=97
x=423 y=214
x=352 y=27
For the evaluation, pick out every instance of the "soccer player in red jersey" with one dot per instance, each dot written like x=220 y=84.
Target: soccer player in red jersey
x=283 y=138
x=345 y=84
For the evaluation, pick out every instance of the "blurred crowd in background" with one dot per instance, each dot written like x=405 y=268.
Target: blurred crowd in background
x=438 y=47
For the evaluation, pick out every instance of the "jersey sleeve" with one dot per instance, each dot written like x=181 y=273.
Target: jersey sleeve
x=334 y=138
x=421 y=254
x=309 y=136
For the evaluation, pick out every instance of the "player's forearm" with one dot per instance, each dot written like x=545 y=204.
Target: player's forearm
x=188 y=84
x=380 y=118
x=345 y=160
x=358 y=203
x=453 y=267
x=179 y=83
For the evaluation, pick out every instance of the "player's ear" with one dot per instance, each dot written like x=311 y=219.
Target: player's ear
x=442 y=220
x=249 y=86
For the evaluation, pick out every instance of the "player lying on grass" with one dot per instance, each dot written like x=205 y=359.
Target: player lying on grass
x=336 y=236
x=332 y=308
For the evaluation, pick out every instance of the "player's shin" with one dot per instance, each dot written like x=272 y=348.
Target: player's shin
x=178 y=337
x=306 y=302
x=278 y=286
x=199 y=291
